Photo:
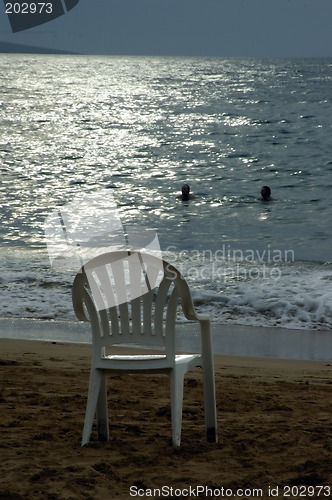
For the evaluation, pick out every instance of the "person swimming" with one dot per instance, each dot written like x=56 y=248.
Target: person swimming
x=266 y=194
x=186 y=194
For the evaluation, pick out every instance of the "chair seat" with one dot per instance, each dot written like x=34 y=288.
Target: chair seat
x=146 y=362
x=152 y=357
x=135 y=357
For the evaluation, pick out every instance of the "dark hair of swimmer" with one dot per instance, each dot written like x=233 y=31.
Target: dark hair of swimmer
x=266 y=193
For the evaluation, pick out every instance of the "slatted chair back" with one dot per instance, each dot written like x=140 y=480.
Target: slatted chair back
x=131 y=299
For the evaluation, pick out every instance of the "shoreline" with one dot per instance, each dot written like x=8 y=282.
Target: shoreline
x=229 y=340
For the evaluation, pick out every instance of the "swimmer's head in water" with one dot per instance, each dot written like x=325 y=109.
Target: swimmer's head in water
x=266 y=192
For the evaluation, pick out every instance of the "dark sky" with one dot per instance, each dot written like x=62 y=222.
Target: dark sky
x=254 y=28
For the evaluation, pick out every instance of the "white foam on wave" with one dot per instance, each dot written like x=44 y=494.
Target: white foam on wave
x=299 y=299
x=29 y=288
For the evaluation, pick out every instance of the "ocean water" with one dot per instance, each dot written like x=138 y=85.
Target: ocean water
x=142 y=126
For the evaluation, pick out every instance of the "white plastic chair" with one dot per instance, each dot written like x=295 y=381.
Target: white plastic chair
x=140 y=315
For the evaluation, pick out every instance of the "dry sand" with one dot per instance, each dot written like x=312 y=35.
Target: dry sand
x=274 y=417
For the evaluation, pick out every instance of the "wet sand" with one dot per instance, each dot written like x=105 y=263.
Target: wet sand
x=229 y=339
x=274 y=419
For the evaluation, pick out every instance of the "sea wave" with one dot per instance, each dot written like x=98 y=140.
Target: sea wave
x=294 y=295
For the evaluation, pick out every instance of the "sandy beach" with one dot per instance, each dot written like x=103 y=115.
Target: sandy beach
x=274 y=417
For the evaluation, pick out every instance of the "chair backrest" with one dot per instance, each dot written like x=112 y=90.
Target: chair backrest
x=131 y=298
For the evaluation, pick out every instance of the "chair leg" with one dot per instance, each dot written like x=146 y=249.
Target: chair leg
x=209 y=383
x=95 y=383
x=210 y=404
x=102 y=412
x=176 y=389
